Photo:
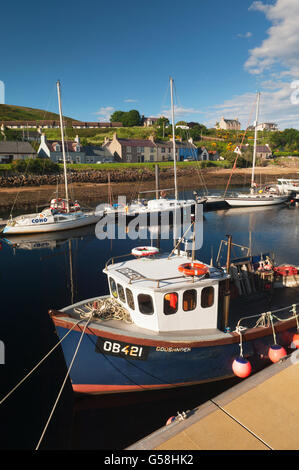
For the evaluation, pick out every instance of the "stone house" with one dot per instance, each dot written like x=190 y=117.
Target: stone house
x=228 y=124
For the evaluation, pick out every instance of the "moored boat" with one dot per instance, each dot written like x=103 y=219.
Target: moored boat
x=166 y=323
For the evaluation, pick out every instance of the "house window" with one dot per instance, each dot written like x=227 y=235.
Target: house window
x=170 y=303
x=129 y=149
x=130 y=299
x=145 y=303
x=163 y=150
x=189 y=300
x=121 y=293
x=113 y=287
x=207 y=297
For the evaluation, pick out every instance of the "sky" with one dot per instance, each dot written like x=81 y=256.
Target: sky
x=120 y=55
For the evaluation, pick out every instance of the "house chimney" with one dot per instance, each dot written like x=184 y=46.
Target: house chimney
x=151 y=137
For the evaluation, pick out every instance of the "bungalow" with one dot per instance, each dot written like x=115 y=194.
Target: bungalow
x=205 y=154
x=31 y=124
x=14 y=150
x=95 y=125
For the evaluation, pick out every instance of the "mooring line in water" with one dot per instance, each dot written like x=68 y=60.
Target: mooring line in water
x=38 y=364
x=242 y=425
x=64 y=381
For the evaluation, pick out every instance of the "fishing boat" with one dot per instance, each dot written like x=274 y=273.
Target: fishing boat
x=256 y=197
x=161 y=204
x=168 y=321
x=62 y=214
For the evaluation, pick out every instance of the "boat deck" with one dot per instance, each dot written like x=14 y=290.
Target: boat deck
x=260 y=413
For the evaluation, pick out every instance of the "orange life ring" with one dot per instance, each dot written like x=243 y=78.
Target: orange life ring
x=193 y=269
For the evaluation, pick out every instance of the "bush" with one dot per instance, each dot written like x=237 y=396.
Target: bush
x=38 y=166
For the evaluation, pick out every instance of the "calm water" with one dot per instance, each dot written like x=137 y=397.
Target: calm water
x=52 y=273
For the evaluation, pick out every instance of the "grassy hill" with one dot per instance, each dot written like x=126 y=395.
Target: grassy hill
x=10 y=112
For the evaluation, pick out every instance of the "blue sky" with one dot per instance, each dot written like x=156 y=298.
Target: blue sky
x=119 y=55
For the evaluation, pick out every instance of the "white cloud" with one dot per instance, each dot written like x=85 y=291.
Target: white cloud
x=180 y=111
x=275 y=60
x=245 y=35
x=130 y=101
x=275 y=106
x=281 y=46
x=105 y=112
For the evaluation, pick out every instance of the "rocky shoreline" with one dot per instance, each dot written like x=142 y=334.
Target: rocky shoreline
x=91 y=187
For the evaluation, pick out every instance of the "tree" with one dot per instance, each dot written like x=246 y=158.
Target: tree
x=117 y=116
x=127 y=118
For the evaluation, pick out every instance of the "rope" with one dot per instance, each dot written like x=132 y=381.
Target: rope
x=64 y=382
x=105 y=309
x=38 y=364
x=271 y=320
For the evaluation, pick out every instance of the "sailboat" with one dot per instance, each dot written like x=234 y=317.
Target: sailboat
x=255 y=197
x=159 y=204
x=61 y=215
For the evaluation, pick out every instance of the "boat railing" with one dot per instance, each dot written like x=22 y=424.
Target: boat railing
x=138 y=276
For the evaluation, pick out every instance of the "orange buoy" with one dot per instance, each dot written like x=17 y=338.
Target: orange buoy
x=170 y=420
x=276 y=352
x=295 y=340
x=241 y=367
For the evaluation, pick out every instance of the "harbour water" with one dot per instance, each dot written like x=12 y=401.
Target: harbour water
x=57 y=270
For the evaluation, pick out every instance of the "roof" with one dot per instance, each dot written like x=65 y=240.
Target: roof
x=263 y=148
x=69 y=146
x=16 y=148
x=136 y=142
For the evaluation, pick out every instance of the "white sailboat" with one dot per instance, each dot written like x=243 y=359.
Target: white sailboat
x=255 y=197
x=159 y=204
x=61 y=215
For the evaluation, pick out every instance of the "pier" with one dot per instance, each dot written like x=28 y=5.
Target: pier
x=260 y=413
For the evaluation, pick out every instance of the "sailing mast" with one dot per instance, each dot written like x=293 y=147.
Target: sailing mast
x=255 y=139
x=63 y=148
x=173 y=140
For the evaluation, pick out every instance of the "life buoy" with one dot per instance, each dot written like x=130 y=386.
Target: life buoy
x=145 y=251
x=286 y=270
x=193 y=269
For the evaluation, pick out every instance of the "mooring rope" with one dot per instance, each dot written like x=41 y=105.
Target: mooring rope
x=105 y=309
x=64 y=382
x=38 y=364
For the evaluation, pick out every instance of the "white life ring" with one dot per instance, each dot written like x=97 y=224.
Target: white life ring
x=145 y=251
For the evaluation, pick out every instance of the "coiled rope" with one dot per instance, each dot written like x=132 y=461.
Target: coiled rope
x=105 y=309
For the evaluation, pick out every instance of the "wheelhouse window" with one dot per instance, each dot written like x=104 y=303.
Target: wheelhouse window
x=189 y=300
x=130 y=299
x=170 y=303
x=145 y=303
x=113 y=287
x=207 y=297
x=121 y=293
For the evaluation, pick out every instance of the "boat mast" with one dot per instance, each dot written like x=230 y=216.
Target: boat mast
x=173 y=140
x=63 y=148
x=255 y=139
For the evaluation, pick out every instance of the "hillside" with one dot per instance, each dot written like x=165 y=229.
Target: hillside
x=9 y=112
